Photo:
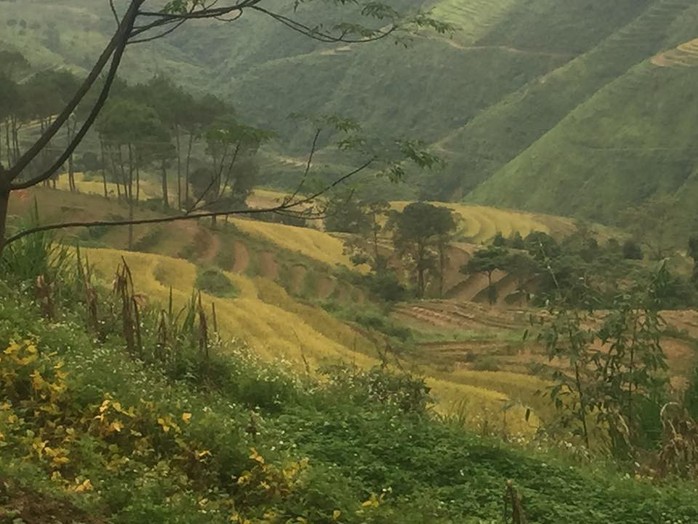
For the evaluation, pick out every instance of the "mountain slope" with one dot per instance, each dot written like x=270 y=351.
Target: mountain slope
x=633 y=139
x=529 y=101
x=505 y=130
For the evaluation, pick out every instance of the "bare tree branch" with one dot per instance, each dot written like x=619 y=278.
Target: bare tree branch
x=113 y=11
x=89 y=121
x=323 y=36
x=337 y=182
x=307 y=166
x=158 y=36
x=120 y=36
x=283 y=207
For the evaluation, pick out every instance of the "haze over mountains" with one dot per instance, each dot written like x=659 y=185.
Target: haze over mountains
x=575 y=107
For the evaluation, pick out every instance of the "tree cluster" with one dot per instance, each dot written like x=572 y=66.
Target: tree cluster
x=141 y=21
x=420 y=235
x=29 y=103
x=160 y=127
x=579 y=268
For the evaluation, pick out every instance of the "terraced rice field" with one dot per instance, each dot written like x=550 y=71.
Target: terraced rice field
x=472 y=17
x=480 y=224
x=276 y=327
x=449 y=315
x=95 y=186
x=308 y=242
x=685 y=55
x=263 y=315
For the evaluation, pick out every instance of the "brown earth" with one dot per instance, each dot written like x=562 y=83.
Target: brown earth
x=22 y=505
x=242 y=257
x=268 y=268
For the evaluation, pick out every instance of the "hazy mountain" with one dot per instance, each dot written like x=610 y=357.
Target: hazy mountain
x=564 y=106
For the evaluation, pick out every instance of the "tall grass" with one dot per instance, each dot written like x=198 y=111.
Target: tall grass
x=38 y=265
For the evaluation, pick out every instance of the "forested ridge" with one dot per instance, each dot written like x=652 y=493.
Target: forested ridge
x=542 y=95
x=247 y=276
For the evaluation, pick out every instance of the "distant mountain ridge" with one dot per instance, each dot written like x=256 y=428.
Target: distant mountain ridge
x=575 y=107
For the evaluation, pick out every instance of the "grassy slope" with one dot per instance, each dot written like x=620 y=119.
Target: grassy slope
x=348 y=448
x=462 y=93
x=620 y=147
x=506 y=129
x=517 y=94
x=276 y=322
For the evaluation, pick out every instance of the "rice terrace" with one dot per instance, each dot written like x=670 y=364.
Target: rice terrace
x=348 y=263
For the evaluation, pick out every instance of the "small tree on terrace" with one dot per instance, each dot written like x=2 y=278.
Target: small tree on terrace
x=652 y=223
x=230 y=177
x=693 y=253
x=146 y=20
x=365 y=220
x=344 y=213
x=418 y=234
x=488 y=261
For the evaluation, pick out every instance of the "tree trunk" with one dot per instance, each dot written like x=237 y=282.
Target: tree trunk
x=130 y=226
x=4 y=206
x=71 y=175
x=178 y=144
x=165 y=195
x=8 y=146
x=104 y=169
x=442 y=267
x=138 y=183
x=71 y=166
x=490 y=289
x=15 y=139
x=376 y=255
x=421 y=261
x=186 y=170
x=1 y=146
x=130 y=196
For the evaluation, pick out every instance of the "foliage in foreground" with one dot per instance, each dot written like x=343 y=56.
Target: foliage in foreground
x=94 y=413
x=120 y=440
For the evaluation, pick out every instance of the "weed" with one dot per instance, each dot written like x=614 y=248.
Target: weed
x=215 y=282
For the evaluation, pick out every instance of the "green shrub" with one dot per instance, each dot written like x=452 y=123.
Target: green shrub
x=386 y=286
x=148 y=241
x=690 y=397
x=216 y=283
x=379 y=386
x=631 y=250
x=486 y=363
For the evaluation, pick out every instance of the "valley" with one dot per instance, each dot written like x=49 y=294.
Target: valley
x=298 y=299
x=424 y=261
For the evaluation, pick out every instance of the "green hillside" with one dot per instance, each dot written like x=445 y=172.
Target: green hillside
x=91 y=433
x=531 y=102
x=633 y=139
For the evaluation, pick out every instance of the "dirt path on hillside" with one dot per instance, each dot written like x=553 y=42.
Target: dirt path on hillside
x=242 y=257
x=268 y=268
x=456 y=258
x=205 y=243
x=297 y=278
x=324 y=287
x=508 y=49
x=506 y=287
x=474 y=286
x=212 y=248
